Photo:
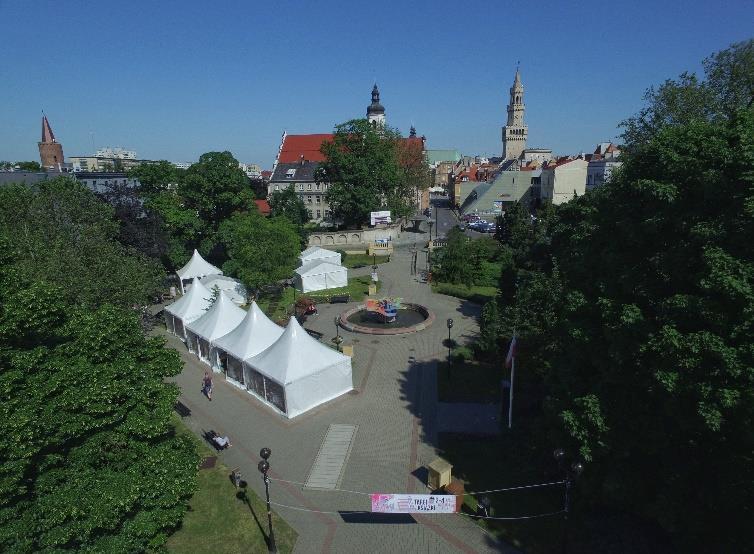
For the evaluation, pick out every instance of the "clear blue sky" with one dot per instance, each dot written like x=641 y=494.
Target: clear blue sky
x=174 y=79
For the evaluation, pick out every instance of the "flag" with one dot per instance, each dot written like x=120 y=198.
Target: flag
x=512 y=351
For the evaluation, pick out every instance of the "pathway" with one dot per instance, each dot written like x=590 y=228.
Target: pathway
x=394 y=410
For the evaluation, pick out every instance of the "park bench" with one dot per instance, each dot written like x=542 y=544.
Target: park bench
x=340 y=299
x=317 y=335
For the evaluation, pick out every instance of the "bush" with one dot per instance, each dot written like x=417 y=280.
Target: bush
x=476 y=294
x=462 y=354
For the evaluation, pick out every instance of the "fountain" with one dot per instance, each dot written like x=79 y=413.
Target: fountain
x=386 y=316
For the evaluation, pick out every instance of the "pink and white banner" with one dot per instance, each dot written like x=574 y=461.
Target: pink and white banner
x=413 y=503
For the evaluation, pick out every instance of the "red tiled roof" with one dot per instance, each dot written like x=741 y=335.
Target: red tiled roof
x=263 y=206
x=295 y=146
x=266 y=173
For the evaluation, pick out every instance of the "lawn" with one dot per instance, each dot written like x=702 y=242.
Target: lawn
x=362 y=260
x=468 y=381
x=475 y=293
x=277 y=305
x=218 y=521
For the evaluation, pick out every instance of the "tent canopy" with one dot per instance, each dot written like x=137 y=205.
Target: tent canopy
x=232 y=287
x=315 y=253
x=253 y=335
x=295 y=356
x=221 y=318
x=191 y=305
x=318 y=275
x=197 y=267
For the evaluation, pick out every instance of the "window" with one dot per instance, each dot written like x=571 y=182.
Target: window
x=277 y=187
x=309 y=199
x=319 y=214
x=290 y=173
x=309 y=186
x=317 y=186
x=301 y=187
x=318 y=199
x=327 y=213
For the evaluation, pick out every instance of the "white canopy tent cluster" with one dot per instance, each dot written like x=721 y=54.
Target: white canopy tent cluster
x=211 y=277
x=283 y=367
x=319 y=269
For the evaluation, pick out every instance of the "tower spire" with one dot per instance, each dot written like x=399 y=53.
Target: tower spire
x=376 y=111
x=47 y=134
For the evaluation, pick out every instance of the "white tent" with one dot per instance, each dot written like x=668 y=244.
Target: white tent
x=317 y=254
x=253 y=335
x=319 y=276
x=298 y=373
x=196 y=267
x=187 y=308
x=221 y=318
x=230 y=286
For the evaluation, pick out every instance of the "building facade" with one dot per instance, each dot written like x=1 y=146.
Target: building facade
x=515 y=132
x=604 y=161
x=50 y=150
x=563 y=178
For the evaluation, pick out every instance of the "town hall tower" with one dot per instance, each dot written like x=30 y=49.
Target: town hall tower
x=515 y=132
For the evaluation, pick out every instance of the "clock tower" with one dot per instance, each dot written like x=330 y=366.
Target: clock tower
x=515 y=132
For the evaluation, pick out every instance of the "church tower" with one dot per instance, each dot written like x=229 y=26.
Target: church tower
x=50 y=150
x=376 y=111
x=514 y=131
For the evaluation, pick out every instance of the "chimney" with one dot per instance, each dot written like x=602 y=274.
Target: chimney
x=301 y=160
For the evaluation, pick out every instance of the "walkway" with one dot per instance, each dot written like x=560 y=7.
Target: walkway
x=394 y=410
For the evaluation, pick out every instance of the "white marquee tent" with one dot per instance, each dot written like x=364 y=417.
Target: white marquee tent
x=196 y=267
x=318 y=275
x=230 y=286
x=297 y=373
x=221 y=318
x=252 y=336
x=187 y=308
x=317 y=254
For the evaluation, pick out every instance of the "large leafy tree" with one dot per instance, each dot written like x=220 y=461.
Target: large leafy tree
x=369 y=168
x=88 y=460
x=287 y=203
x=641 y=324
x=156 y=177
x=64 y=234
x=261 y=250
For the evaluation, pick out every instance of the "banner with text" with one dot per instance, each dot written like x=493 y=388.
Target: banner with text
x=413 y=503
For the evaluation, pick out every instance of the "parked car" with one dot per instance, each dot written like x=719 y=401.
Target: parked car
x=478 y=225
x=462 y=226
x=490 y=228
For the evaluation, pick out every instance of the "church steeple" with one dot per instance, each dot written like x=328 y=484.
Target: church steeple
x=376 y=111
x=47 y=134
x=515 y=132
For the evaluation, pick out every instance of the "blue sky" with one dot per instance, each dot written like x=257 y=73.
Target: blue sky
x=174 y=79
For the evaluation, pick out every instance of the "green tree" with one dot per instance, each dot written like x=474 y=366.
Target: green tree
x=261 y=250
x=155 y=178
x=216 y=188
x=29 y=166
x=287 y=203
x=369 y=168
x=88 y=459
x=61 y=233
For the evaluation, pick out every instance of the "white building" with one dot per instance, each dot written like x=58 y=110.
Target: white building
x=563 y=178
x=604 y=161
x=182 y=165
x=116 y=153
x=253 y=171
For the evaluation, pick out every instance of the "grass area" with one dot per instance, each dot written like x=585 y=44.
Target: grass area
x=218 y=521
x=474 y=293
x=277 y=305
x=362 y=260
x=468 y=381
x=505 y=461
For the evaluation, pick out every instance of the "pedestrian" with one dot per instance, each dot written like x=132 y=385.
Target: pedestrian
x=207 y=385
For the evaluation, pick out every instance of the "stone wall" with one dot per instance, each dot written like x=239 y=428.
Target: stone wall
x=356 y=237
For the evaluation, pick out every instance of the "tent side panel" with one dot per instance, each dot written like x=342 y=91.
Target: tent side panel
x=321 y=387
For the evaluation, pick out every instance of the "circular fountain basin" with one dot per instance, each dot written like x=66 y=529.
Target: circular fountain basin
x=410 y=319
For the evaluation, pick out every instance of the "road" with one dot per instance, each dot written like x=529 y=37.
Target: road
x=445 y=218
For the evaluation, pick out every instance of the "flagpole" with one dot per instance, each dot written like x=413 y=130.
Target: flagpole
x=510 y=399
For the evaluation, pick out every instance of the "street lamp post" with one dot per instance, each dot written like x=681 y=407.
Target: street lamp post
x=570 y=474
x=450 y=326
x=430 y=223
x=337 y=339
x=264 y=467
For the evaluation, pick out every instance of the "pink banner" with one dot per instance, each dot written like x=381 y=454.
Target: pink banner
x=413 y=503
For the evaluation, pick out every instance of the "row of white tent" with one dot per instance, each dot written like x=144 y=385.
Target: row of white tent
x=284 y=367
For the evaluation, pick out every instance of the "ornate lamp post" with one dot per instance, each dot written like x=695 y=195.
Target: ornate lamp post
x=264 y=467
x=571 y=474
x=450 y=326
x=430 y=223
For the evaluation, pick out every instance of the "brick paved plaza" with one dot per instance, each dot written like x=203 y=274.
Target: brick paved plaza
x=395 y=410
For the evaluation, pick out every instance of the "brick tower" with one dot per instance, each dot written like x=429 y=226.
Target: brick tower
x=50 y=150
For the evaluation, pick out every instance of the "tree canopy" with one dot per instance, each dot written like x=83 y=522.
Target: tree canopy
x=260 y=250
x=370 y=168
x=633 y=305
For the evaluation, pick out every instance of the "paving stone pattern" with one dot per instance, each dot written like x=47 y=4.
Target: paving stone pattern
x=395 y=411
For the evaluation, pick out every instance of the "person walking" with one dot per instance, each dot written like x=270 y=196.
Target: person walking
x=207 y=385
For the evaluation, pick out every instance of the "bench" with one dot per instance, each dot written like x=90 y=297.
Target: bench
x=317 y=335
x=340 y=299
